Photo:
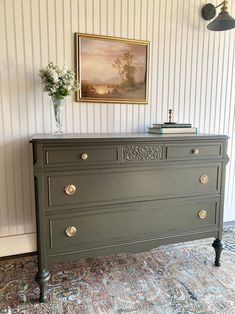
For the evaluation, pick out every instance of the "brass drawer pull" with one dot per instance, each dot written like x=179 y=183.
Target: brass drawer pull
x=70 y=189
x=202 y=214
x=84 y=156
x=195 y=152
x=70 y=231
x=204 y=179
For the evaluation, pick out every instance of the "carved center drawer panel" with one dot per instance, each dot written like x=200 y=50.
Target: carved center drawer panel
x=95 y=187
x=81 y=155
x=193 y=151
x=141 y=221
x=143 y=152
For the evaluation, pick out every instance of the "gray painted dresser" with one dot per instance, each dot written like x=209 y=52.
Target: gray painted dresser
x=107 y=193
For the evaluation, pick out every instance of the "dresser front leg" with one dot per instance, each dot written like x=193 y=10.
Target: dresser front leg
x=42 y=277
x=218 y=245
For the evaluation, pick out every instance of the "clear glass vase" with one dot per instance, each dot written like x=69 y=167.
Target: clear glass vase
x=58 y=108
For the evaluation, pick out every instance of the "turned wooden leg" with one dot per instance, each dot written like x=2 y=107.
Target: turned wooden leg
x=218 y=245
x=42 y=277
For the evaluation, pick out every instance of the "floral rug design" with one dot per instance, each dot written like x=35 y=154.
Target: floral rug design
x=171 y=279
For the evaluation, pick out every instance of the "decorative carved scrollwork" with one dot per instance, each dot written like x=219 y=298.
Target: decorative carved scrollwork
x=142 y=152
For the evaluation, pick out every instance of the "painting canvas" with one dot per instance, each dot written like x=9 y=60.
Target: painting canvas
x=111 y=69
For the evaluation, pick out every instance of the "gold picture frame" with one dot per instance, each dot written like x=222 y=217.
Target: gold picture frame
x=111 y=69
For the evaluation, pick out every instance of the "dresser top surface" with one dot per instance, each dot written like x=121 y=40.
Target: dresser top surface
x=107 y=137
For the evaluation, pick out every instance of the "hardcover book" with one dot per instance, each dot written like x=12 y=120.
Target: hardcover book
x=165 y=130
x=172 y=125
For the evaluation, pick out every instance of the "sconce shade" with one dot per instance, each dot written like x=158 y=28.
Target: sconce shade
x=222 y=22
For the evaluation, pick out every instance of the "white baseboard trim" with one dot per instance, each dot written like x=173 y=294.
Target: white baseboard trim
x=18 y=244
x=229 y=213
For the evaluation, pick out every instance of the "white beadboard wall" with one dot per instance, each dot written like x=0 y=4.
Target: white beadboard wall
x=191 y=70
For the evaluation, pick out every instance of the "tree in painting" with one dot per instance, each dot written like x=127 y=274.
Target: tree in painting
x=126 y=70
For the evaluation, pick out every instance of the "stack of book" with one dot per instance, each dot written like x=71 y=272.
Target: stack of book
x=171 y=128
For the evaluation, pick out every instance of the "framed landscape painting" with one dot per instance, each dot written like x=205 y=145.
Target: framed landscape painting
x=111 y=69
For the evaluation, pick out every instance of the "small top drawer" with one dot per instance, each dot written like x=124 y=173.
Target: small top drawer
x=82 y=155
x=193 y=151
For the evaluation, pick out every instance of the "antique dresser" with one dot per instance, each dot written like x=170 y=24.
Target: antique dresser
x=107 y=193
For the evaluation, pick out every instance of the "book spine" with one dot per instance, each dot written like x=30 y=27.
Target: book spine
x=188 y=125
x=169 y=126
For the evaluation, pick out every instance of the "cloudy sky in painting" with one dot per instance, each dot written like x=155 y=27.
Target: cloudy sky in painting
x=98 y=55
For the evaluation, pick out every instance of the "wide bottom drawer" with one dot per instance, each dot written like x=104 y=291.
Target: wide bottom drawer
x=123 y=224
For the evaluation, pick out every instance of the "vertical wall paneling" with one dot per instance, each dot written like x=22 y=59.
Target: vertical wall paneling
x=74 y=15
x=89 y=29
x=164 y=64
x=152 y=34
x=3 y=178
x=185 y=88
x=136 y=35
x=67 y=38
x=96 y=30
x=130 y=34
x=117 y=33
x=156 y=71
x=7 y=116
x=82 y=28
x=4 y=227
x=231 y=130
x=103 y=31
x=123 y=33
x=191 y=70
x=142 y=35
x=26 y=186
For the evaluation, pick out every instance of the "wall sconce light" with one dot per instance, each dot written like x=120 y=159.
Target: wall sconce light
x=222 y=22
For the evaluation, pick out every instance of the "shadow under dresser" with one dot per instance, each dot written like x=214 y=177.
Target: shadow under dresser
x=98 y=194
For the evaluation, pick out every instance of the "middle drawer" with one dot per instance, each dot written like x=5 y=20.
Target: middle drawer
x=99 y=187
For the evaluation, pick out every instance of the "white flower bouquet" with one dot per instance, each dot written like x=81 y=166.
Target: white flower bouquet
x=58 y=82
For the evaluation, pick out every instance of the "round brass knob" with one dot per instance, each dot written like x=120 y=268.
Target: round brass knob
x=195 y=152
x=70 y=189
x=84 y=156
x=204 y=179
x=70 y=231
x=202 y=214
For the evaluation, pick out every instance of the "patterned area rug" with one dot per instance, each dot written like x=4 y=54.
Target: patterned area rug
x=171 y=279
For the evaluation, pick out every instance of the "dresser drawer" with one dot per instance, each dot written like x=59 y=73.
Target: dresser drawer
x=122 y=224
x=193 y=151
x=95 y=187
x=81 y=155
